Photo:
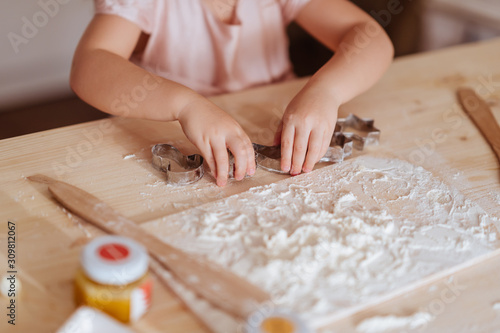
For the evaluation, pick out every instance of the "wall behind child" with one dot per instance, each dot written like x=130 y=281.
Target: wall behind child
x=38 y=38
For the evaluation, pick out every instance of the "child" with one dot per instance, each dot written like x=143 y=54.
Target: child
x=183 y=50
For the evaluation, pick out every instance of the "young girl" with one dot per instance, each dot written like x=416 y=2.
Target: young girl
x=183 y=50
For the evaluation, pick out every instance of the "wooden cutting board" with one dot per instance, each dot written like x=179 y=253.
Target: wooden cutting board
x=414 y=105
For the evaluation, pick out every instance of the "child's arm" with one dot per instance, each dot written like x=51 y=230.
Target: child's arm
x=363 y=52
x=103 y=76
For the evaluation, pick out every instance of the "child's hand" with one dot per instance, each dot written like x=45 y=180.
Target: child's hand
x=213 y=131
x=306 y=130
x=362 y=53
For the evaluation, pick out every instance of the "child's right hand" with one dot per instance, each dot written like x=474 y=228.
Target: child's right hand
x=213 y=131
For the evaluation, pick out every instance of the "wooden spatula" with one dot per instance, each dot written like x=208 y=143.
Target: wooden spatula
x=213 y=282
x=480 y=113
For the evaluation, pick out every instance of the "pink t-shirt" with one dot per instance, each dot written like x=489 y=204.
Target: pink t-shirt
x=190 y=45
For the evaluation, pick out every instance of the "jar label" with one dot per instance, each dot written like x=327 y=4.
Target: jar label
x=140 y=300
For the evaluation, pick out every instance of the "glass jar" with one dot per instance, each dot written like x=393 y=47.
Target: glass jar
x=114 y=278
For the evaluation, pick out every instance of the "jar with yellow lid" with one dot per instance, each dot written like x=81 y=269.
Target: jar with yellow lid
x=114 y=278
x=275 y=320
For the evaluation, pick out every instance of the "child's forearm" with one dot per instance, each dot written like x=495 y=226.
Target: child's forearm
x=363 y=52
x=362 y=57
x=103 y=76
x=116 y=86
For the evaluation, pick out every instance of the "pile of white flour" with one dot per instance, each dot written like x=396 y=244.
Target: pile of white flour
x=339 y=236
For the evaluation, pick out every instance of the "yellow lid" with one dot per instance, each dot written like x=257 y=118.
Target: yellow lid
x=277 y=325
x=275 y=321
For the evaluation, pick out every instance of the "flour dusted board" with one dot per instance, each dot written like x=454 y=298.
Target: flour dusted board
x=340 y=236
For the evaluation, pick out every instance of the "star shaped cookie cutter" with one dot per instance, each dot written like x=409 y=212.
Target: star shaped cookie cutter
x=178 y=168
x=361 y=130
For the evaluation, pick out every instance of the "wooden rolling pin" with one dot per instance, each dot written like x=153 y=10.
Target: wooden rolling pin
x=480 y=113
x=213 y=282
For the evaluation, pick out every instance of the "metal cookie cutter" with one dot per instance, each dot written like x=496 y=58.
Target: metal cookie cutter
x=351 y=132
x=178 y=168
x=269 y=157
x=361 y=131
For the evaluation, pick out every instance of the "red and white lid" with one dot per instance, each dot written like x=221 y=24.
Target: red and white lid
x=114 y=260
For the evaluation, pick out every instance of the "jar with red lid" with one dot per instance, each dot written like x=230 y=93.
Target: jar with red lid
x=114 y=278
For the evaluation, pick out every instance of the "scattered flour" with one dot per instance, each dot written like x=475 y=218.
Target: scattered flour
x=433 y=288
x=129 y=156
x=78 y=222
x=20 y=197
x=201 y=192
x=496 y=196
x=338 y=237
x=394 y=324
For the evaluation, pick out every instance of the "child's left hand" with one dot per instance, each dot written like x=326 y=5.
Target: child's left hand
x=362 y=53
x=306 y=130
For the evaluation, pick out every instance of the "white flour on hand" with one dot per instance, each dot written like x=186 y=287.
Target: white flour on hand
x=340 y=236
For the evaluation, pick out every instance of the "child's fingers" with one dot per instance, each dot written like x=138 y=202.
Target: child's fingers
x=219 y=151
x=206 y=152
x=277 y=136
x=313 y=150
x=299 y=150
x=251 y=159
x=287 y=138
x=326 y=143
x=327 y=138
x=239 y=150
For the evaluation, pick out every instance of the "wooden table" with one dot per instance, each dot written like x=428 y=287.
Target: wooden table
x=414 y=105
